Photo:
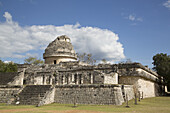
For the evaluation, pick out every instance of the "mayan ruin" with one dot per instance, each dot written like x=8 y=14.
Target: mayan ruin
x=64 y=79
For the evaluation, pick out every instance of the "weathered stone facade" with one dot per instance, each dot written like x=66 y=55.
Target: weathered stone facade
x=144 y=80
x=73 y=73
x=59 y=50
x=8 y=93
x=91 y=94
x=62 y=79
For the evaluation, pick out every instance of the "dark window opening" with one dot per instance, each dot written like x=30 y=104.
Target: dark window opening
x=54 y=61
x=43 y=79
x=75 y=78
x=62 y=79
x=24 y=82
x=49 y=79
x=80 y=78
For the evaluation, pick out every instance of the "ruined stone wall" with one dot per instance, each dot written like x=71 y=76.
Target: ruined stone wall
x=129 y=92
x=48 y=97
x=111 y=78
x=18 y=80
x=149 y=88
x=144 y=80
x=90 y=94
x=50 y=60
x=79 y=77
x=70 y=77
x=7 y=93
x=69 y=73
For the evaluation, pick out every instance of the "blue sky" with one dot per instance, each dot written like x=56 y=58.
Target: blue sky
x=135 y=29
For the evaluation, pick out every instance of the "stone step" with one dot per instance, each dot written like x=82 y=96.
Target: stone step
x=32 y=94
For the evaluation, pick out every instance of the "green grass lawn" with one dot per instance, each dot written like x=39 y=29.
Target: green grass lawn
x=148 y=105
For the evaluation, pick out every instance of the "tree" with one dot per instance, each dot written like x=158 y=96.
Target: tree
x=86 y=58
x=89 y=59
x=33 y=60
x=129 y=60
x=161 y=64
x=104 y=61
x=2 y=66
x=8 y=67
x=81 y=57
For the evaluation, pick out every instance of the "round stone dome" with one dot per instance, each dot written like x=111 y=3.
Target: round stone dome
x=59 y=50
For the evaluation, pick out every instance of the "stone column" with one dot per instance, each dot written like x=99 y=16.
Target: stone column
x=91 y=78
x=77 y=81
x=51 y=81
x=57 y=79
x=21 y=74
x=72 y=78
x=115 y=77
x=69 y=78
x=82 y=79
x=64 y=77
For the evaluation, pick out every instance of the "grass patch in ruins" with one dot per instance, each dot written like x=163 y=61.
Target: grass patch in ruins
x=148 y=105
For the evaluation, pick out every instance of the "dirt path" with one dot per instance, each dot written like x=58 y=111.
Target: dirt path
x=15 y=110
x=73 y=111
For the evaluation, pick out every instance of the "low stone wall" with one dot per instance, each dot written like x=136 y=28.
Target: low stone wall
x=7 y=93
x=89 y=94
x=147 y=87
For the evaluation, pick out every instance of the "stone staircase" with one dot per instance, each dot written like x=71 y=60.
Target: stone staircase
x=33 y=94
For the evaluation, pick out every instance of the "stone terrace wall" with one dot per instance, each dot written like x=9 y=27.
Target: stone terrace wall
x=89 y=94
x=128 y=89
x=7 y=93
x=144 y=79
x=149 y=88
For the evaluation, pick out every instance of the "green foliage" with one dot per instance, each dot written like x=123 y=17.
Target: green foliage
x=162 y=66
x=33 y=60
x=86 y=58
x=8 y=67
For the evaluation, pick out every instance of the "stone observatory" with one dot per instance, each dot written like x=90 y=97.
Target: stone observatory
x=65 y=80
x=59 y=50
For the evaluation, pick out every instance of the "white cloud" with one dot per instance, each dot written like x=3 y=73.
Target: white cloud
x=17 y=41
x=8 y=17
x=167 y=4
x=139 y=19
x=132 y=17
